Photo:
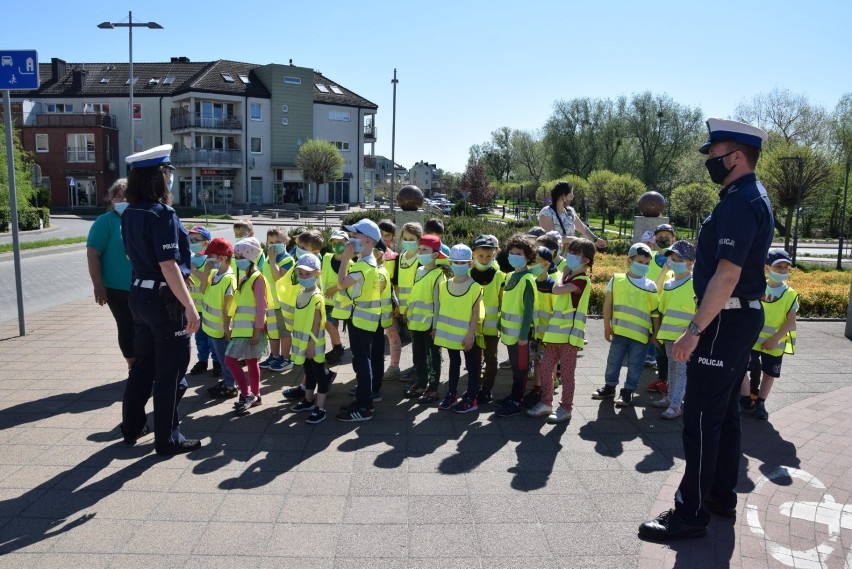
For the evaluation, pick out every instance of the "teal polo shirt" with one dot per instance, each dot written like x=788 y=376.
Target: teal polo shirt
x=105 y=238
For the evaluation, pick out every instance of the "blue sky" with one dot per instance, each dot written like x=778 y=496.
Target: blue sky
x=470 y=66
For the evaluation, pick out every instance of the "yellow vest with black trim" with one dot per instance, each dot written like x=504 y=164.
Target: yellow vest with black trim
x=328 y=279
x=213 y=304
x=288 y=288
x=405 y=282
x=303 y=324
x=244 y=307
x=567 y=325
x=195 y=289
x=775 y=314
x=512 y=310
x=366 y=306
x=491 y=302
x=677 y=307
x=421 y=302
x=385 y=294
x=631 y=309
x=542 y=312
x=454 y=316
x=285 y=264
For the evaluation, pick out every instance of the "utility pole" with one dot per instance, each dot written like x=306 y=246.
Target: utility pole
x=393 y=141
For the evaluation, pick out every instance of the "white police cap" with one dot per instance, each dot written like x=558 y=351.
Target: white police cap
x=157 y=156
x=721 y=130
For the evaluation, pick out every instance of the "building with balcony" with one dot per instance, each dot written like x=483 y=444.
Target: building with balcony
x=235 y=127
x=426 y=177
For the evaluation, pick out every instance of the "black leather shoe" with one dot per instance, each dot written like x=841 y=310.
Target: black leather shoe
x=186 y=446
x=718 y=508
x=131 y=440
x=669 y=526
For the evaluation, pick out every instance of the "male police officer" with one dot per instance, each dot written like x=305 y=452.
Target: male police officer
x=728 y=279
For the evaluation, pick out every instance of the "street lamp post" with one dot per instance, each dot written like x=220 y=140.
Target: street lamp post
x=843 y=217
x=393 y=142
x=129 y=24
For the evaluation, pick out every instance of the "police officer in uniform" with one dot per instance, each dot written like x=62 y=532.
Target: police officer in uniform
x=729 y=281
x=157 y=244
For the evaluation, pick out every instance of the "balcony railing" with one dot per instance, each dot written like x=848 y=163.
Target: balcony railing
x=207 y=157
x=369 y=132
x=79 y=154
x=45 y=120
x=195 y=120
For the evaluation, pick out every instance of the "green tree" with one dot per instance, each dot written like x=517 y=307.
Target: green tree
x=599 y=182
x=319 y=161
x=530 y=155
x=693 y=202
x=24 y=190
x=787 y=114
x=622 y=195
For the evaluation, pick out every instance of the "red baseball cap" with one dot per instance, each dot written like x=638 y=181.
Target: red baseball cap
x=219 y=246
x=432 y=242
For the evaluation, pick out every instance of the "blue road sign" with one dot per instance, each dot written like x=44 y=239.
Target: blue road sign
x=18 y=70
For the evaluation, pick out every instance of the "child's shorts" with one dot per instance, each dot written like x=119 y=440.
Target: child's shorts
x=767 y=363
x=283 y=332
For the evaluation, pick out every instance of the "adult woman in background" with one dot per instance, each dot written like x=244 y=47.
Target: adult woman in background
x=109 y=268
x=560 y=216
x=157 y=245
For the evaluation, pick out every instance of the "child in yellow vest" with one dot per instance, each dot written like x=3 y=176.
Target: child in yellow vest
x=565 y=331
x=543 y=270
x=422 y=322
x=308 y=348
x=218 y=288
x=677 y=307
x=199 y=238
x=459 y=329
x=330 y=266
x=778 y=337
x=248 y=323
x=403 y=281
x=279 y=261
x=630 y=318
x=389 y=261
x=487 y=274
x=517 y=317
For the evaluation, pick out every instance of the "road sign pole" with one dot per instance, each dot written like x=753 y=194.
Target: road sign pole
x=13 y=207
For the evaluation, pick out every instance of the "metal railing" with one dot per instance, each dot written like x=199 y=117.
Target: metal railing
x=207 y=157
x=370 y=131
x=195 y=120
x=45 y=120
x=79 y=154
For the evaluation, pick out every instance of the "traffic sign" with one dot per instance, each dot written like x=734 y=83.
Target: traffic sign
x=19 y=69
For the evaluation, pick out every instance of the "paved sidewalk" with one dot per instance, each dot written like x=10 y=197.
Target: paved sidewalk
x=415 y=487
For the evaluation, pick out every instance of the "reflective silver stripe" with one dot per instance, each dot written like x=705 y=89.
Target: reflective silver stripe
x=453 y=321
x=211 y=311
x=491 y=310
x=566 y=315
x=404 y=290
x=633 y=312
x=556 y=329
x=270 y=313
x=301 y=335
x=577 y=333
x=580 y=318
x=490 y=326
x=631 y=326
x=419 y=317
x=666 y=327
x=429 y=306
x=769 y=330
x=369 y=304
x=210 y=324
x=243 y=324
x=386 y=302
x=245 y=310
x=449 y=336
x=369 y=316
x=511 y=318
x=511 y=332
x=679 y=314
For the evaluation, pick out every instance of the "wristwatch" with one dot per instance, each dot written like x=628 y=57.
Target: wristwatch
x=694 y=329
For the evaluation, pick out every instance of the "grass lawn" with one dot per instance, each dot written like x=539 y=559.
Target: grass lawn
x=7 y=247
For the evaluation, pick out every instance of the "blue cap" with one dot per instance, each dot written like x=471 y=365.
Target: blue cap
x=203 y=231
x=721 y=130
x=777 y=255
x=547 y=255
x=684 y=249
x=157 y=156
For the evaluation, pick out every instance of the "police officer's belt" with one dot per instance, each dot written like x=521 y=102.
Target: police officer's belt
x=735 y=302
x=148 y=284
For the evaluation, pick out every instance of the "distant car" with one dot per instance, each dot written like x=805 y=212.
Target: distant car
x=7 y=60
x=446 y=208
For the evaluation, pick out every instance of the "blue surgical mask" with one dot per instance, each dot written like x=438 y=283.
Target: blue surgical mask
x=536 y=270
x=243 y=264
x=170 y=182
x=517 y=261
x=480 y=266
x=308 y=283
x=198 y=260
x=573 y=262
x=778 y=277
x=357 y=243
x=298 y=252
x=120 y=207
x=425 y=258
x=196 y=247
x=459 y=270
x=279 y=248
x=216 y=265
x=638 y=268
x=678 y=267
x=408 y=245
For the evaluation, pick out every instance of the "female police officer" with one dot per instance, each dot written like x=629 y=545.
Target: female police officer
x=165 y=317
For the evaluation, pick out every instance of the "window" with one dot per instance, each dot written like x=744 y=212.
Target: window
x=255 y=112
x=339 y=116
x=244 y=79
x=227 y=77
x=154 y=81
x=59 y=108
x=285 y=109
x=138 y=144
x=80 y=147
x=289 y=80
x=336 y=90
x=322 y=88
x=104 y=80
x=256 y=145
x=168 y=80
x=41 y=143
x=135 y=79
x=285 y=122
x=96 y=108
x=343 y=146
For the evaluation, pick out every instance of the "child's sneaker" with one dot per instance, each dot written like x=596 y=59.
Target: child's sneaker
x=281 y=364
x=428 y=396
x=355 y=415
x=760 y=410
x=509 y=408
x=532 y=398
x=747 y=405
x=267 y=362
x=303 y=405
x=198 y=368
x=671 y=413
x=561 y=415
x=541 y=409
x=222 y=391
x=625 y=398
x=295 y=392
x=240 y=400
x=248 y=403
x=654 y=386
x=334 y=355
x=392 y=374
x=664 y=388
x=506 y=364
x=466 y=405
x=605 y=392
x=448 y=401
x=661 y=403
x=413 y=391
x=484 y=397
x=316 y=416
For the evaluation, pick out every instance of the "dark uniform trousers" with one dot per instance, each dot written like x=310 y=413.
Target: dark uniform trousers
x=162 y=352
x=711 y=415
x=368 y=362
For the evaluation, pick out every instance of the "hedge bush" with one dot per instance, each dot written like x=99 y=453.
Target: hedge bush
x=28 y=218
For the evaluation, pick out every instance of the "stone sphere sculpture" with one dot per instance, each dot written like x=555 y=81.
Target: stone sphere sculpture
x=409 y=198
x=652 y=204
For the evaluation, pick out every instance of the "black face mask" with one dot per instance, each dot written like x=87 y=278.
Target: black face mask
x=717 y=169
x=663 y=242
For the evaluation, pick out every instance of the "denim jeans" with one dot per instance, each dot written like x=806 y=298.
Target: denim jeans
x=204 y=348
x=218 y=347
x=622 y=347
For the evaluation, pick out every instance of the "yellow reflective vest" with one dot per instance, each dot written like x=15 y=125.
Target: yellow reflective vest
x=244 y=307
x=567 y=325
x=285 y=264
x=421 y=302
x=654 y=269
x=775 y=314
x=385 y=294
x=213 y=304
x=366 y=300
x=454 y=316
x=328 y=279
x=677 y=307
x=632 y=309
x=405 y=281
x=512 y=310
x=303 y=323
x=542 y=311
x=288 y=288
x=491 y=302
